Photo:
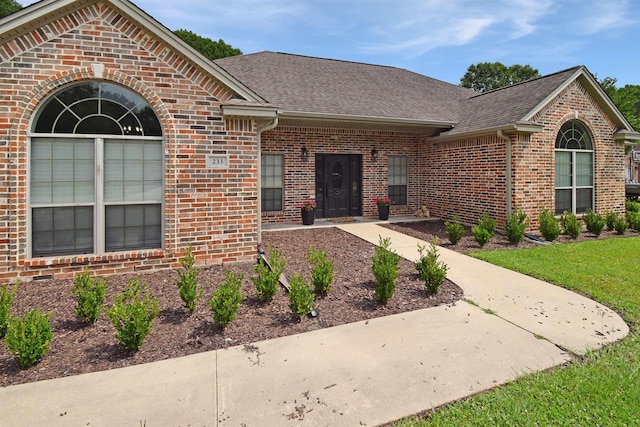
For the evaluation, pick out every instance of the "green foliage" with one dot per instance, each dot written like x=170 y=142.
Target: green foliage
x=620 y=225
x=454 y=230
x=321 y=271
x=267 y=279
x=515 y=226
x=209 y=48
x=430 y=269
x=226 y=300
x=632 y=206
x=6 y=301
x=487 y=223
x=570 y=224
x=28 y=337
x=487 y=76
x=482 y=235
x=301 y=299
x=90 y=295
x=548 y=225
x=385 y=270
x=610 y=219
x=133 y=314
x=595 y=222
x=7 y=7
x=633 y=219
x=626 y=98
x=188 y=282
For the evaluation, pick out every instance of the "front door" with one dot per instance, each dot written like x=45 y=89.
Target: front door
x=338 y=184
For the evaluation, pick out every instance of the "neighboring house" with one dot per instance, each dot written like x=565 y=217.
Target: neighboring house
x=120 y=145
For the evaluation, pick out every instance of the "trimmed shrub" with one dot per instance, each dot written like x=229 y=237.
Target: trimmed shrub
x=6 y=301
x=454 y=230
x=321 y=271
x=482 y=235
x=188 y=282
x=90 y=295
x=633 y=219
x=267 y=279
x=516 y=225
x=226 y=300
x=301 y=299
x=632 y=205
x=385 y=270
x=430 y=269
x=570 y=224
x=487 y=223
x=595 y=223
x=548 y=225
x=611 y=218
x=28 y=337
x=132 y=315
x=620 y=225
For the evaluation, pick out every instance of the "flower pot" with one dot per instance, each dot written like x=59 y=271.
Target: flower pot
x=383 y=212
x=308 y=216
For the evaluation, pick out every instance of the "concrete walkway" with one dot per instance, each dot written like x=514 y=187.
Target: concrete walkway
x=365 y=373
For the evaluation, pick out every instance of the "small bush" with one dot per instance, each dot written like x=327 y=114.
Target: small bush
x=321 y=271
x=549 y=227
x=570 y=224
x=487 y=223
x=620 y=225
x=385 y=270
x=188 y=282
x=610 y=219
x=133 y=314
x=430 y=269
x=28 y=337
x=301 y=299
x=633 y=219
x=632 y=206
x=267 y=279
x=516 y=225
x=482 y=235
x=454 y=230
x=90 y=295
x=595 y=222
x=6 y=301
x=226 y=300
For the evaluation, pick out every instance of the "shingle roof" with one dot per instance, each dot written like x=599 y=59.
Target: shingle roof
x=303 y=84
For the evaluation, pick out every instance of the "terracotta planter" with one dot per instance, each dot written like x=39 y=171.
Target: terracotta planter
x=383 y=212
x=308 y=216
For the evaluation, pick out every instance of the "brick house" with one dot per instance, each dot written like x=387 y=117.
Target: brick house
x=120 y=145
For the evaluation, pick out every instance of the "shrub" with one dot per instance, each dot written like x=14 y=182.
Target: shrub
x=570 y=224
x=620 y=225
x=482 y=235
x=267 y=279
x=632 y=206
x=301 y=299
x=516 y=225
x=6 y=301
x=188 y=282
x=321 y=271
x=611 y=218
x=28 y=337
x=548 y=225
x=90 y=294
x=487 y=223
x=385 y=270
x=225 y=301
x=454 y=230
x=133 y=314
x=595 y=223
x=633 y=219
x=432 y=271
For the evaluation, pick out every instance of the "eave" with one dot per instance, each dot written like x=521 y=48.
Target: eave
x=524 y=128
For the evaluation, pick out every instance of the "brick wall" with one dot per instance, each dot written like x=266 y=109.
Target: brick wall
x=215 y=211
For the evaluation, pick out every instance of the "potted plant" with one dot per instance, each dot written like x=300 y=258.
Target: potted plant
x=383 y=206
x=308 y=209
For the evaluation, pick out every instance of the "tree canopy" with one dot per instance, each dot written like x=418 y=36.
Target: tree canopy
x=626 y=98
x=209 y=48
x=7 y=7
x=486 y=76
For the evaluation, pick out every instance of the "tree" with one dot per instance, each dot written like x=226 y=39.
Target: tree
x=209 y=48
x=626 y=98
x=486 y=76
x=7 y=7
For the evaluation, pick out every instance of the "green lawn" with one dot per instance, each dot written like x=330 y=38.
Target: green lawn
x=600 y=389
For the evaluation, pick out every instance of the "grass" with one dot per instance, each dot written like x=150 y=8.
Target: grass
x=600 y=388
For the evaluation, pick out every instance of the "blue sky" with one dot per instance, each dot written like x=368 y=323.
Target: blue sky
x=438 y=38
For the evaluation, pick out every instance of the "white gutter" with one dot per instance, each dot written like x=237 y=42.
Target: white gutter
x=508 y=183
x=348 y=118
x=270 y=125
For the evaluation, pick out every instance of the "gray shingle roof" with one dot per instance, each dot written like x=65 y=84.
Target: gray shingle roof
x=303 y=84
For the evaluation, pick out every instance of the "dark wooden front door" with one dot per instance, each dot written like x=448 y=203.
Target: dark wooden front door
x=338 y=184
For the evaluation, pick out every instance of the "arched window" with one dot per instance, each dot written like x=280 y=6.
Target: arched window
x=574 y=168
x=96 y=172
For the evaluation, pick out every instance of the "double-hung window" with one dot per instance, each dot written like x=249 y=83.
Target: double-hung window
x=272 y=182
x=398 y=178
x=96 y=173
x=573 y=169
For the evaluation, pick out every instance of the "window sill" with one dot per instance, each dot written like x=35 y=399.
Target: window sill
x=94 y=258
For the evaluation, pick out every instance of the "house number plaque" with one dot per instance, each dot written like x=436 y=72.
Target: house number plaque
x=217 y=161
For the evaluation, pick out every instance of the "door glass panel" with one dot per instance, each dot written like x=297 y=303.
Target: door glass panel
x=337 y=176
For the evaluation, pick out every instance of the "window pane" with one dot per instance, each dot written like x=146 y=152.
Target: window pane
x=584 y=169
x=271 y=199
x=63 y=230
x=563 y=201
x=563 y=169
x=272 y=182
x=133 y=227
x=398 y=193
x=584 y=200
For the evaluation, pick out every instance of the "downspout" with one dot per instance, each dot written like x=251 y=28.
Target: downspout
x=508 y=183
x=270 y=125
